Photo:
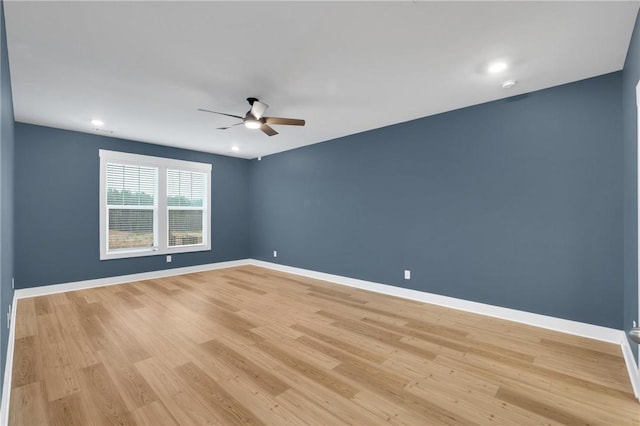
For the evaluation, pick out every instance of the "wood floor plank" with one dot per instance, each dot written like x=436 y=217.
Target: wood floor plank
x=28 y=368
x=43 y=305
x=60 y=376
x=576 y=350
x=26 y=324
x=259 y=375
x=132 y=387
x=386 y=410
x=95 y=331
x=214 y=394
x=304 y=409
x=351 y=366
x=612 y=377
x=107 y=403
x=340 y=344
x=553 y=412
x=68 y=411
x=274 y=332
x=597 y=397
x=493 y=372
x=134 y=351
x=453 y=344
x=81 y=351
x=180 y=400
x=262 y=404
x=59 y=299
x=306 y=368
x=153 y=414
x=481 y=408
x=247 y=345
x=315 y=391
x=28 y=405
x=245 y=286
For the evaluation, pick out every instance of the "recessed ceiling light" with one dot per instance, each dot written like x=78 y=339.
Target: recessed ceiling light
x=497 y=67
x=235 y=148
x=252 y=124
x=508 y=84
x=97 y=122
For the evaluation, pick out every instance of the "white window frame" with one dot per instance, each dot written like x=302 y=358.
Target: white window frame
x=162 y=226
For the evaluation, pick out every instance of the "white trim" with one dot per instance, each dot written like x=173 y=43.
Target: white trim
x=606 y=334
x=153 y=161
x=591 y=331
x=162 y=166
x=121 y=279
x=8 y=368
x=80 y=285
x=632 y=368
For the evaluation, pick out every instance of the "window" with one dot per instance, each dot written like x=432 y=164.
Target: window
x=185 y=207
x=152 y=205
x=132 y=209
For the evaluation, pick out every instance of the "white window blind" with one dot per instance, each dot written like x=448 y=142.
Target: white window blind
x=152 y=205
x=131 y=203
x=186 y=196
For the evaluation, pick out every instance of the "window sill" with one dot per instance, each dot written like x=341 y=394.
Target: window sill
x=126 y=254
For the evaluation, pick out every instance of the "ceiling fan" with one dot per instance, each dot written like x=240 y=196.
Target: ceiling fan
x=254 y=118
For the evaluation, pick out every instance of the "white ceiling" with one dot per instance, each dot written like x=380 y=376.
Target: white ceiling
x=145 y=67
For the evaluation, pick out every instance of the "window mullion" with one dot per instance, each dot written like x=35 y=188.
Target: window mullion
x=162 y=231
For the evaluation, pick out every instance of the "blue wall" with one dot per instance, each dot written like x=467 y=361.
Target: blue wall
x=630 y=78
x=57 y=228
x=6 y=192
x=515 y=203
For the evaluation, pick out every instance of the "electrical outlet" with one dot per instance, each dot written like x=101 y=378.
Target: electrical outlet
x=169 y=258
x=13 y=283
x=407 y=274
x=634 y=324
x=275 y=253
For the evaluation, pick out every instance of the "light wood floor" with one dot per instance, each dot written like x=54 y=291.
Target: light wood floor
x=250 y=345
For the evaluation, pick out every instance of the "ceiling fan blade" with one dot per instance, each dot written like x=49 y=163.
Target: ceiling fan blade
x=221 y=113
x=281 y=120
x=258 y=108
x=268 y=130
x=228 y=127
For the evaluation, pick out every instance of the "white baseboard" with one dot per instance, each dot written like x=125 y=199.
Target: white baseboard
x=632 y=366
x=591 y=331
x=8 y=368
x=558 y=324
x=81 y=285
x=606 y=334
x=101 y=282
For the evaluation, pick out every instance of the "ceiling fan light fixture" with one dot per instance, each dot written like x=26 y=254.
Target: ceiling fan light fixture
x=252 y=124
